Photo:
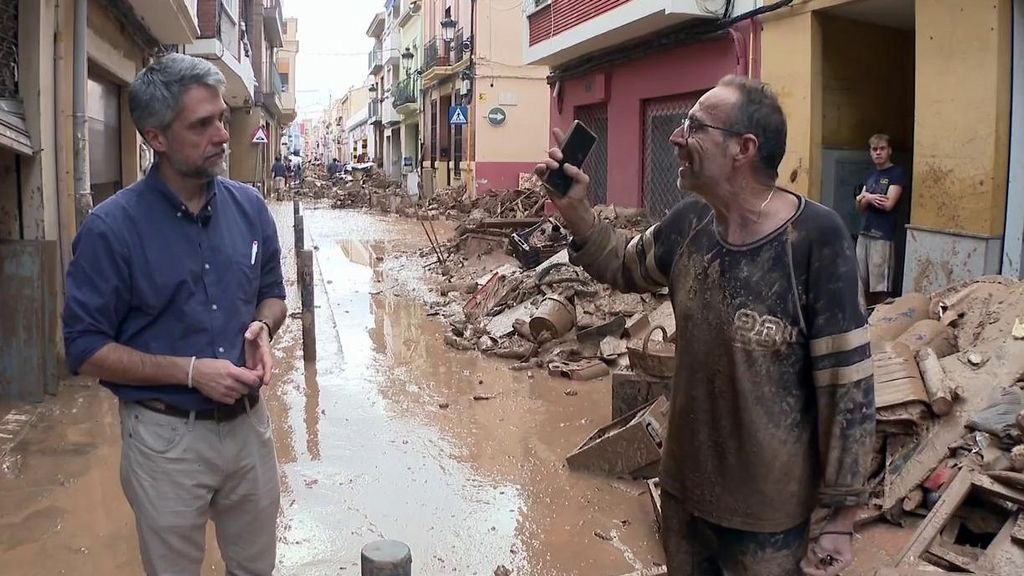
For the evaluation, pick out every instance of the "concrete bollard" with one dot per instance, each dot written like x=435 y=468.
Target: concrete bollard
x=306 y=286
x=386 y=558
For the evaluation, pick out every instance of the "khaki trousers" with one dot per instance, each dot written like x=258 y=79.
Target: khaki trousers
x=179 y=473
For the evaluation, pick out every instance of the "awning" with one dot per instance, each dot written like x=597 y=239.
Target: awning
x=13 y=131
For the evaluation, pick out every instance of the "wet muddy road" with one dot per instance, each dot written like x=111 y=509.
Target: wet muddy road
x=365 y=450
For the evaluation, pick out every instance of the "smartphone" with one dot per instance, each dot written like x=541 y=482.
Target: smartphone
x=577 y=147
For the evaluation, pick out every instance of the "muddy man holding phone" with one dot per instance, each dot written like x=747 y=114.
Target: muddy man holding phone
x=773 y=409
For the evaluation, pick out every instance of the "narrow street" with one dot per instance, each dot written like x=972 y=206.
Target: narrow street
x=365 y=450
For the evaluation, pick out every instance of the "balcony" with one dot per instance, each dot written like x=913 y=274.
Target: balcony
x=170 y=21
x=273 y=23
x=406 y=97
x=389 y=117
x=392 y=47
x=376 y=62
x=288 y=108
x=226 y=53
x=373 y=111
x=270 y=94
x=410 y=9
x=458 y=51
x=434 y=55
x=562 y=31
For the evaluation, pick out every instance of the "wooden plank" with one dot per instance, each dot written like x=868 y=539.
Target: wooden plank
x=1002 y=491
x=1004 y=557
x=909 y=572
x=951 y=557
x=1011 y=479
x=951 y=500
x=506 y=223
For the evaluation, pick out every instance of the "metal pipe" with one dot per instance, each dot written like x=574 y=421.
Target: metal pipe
x=1013 y=238
x=83 y=195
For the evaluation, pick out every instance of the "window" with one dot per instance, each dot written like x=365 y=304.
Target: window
x=284 y=81
x=595 y=117
x=660 y=163
x=532 y=6
x=9 y=49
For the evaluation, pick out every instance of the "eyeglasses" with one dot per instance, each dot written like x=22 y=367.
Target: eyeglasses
x=692 y=125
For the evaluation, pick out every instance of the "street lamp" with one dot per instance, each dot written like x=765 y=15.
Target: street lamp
x=407 y=58
x=448 y=29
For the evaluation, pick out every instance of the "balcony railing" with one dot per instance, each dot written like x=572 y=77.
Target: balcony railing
x=374 y=114
x=376 y=62
x=275 y=80
x=273 y=23
x=406 y=92
x=435 y=54
x=457 y=51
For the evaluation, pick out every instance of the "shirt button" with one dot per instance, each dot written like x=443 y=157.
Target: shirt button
x=221 y=349
x=207 y=266
x=214 y=307
x=179 y=214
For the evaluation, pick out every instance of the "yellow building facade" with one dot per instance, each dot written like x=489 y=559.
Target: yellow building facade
x=937 y=76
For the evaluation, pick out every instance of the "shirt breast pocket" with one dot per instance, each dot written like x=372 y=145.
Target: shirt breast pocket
x=247 y=270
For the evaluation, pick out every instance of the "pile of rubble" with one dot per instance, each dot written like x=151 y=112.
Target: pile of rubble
x=949 y=372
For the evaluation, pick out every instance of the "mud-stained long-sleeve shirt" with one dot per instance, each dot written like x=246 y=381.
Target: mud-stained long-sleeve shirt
x=773 y=409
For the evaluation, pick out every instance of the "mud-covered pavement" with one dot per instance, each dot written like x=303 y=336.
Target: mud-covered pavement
x=365 y=449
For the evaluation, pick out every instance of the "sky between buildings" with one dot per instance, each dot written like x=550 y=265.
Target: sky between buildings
x=333 y=49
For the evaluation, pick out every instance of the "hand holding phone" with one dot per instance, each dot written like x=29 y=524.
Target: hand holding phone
x=575 y=149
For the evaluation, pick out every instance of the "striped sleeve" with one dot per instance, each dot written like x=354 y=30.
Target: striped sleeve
x=641 y=263
x=841 y=366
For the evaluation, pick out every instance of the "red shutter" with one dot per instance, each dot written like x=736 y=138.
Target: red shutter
x=562 y=15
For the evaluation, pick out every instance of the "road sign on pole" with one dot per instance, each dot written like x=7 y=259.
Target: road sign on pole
x=458 y=115
x=497 y=116
x=260 y=136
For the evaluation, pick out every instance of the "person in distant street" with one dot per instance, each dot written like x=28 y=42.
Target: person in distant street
x=278 y=171
x=174 y=293
x=333 y=168
x=288 y=171
x=772 y=408
x=878 y=200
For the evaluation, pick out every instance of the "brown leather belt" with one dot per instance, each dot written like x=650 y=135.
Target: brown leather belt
x=225 y=413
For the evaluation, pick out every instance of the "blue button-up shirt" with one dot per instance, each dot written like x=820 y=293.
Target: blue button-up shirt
x=151 y=275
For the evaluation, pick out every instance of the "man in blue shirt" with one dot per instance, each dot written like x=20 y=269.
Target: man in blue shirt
x=279 y=171
x=173 y=295
x=878 y=200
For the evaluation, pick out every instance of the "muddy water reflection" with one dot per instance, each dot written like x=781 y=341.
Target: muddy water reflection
x=366 y=470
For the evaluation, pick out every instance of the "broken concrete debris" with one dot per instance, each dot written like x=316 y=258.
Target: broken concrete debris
x=948 y=400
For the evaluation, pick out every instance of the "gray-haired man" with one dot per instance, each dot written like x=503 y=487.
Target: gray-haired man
x=773 y=407
x=173 y=295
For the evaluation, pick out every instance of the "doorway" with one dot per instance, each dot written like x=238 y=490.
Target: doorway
x=867 y=64
x=103 y=108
